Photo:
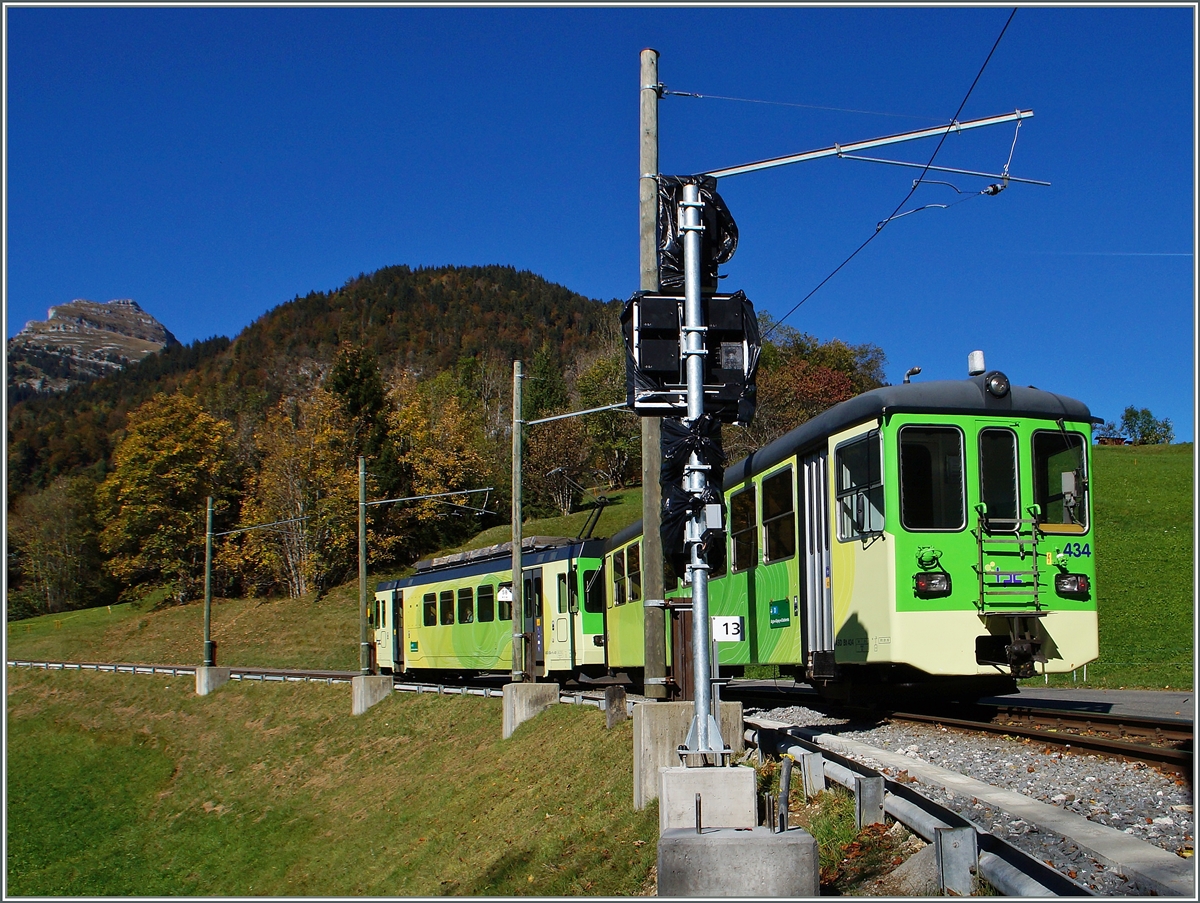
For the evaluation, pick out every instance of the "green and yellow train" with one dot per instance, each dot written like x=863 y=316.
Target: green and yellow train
x=936 y=536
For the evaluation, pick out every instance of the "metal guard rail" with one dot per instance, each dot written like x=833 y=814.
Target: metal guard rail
x=1011 y=871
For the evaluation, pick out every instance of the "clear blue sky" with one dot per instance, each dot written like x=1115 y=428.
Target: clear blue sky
x=212 y=163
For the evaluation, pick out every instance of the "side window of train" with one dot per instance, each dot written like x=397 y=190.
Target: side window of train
x=633 y=564
x=779 y=516
x=618 y=578
x=446 y=600
x=743 y=530
x=859 y=487
x=504 y=597
x=533 y=597
x=998 y=479
x=430 y=610
x=466 y=605
x=1060 y=481
x=485 y=603
x=561 y=584
x=573 y=590
x=670 y=578
x=931 y=478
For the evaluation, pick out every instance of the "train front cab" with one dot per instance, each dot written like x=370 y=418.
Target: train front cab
x=962 y=546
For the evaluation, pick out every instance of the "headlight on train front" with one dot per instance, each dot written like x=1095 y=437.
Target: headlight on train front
x=1071 y=584
x=931 y=583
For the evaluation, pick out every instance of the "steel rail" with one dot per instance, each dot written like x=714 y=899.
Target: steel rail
x=1175 y=760
x=1164 y=730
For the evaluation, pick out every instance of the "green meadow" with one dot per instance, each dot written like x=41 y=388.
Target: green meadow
x=121 y=784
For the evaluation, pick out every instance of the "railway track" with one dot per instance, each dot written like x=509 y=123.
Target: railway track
x=1161 y=742
x=1168 y=743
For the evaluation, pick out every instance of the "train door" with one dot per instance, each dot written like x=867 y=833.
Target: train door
x=777 y=618
x=534 y=618
x=397 y=628
x=816 y=596
x=560 y=654
x=587 y=603
x=384 y=651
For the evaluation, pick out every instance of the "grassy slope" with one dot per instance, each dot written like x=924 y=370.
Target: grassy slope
x=276 y=790
x=1144 y=566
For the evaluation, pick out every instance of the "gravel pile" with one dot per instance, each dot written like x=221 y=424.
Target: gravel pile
x=1129 y=797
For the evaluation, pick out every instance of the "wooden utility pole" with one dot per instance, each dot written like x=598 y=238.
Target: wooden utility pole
x=519 y=671
x=209 y=657
x=652 y=552
x=364 y=646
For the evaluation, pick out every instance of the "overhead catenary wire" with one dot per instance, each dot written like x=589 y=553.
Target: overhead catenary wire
x=879 y=228
x=664 y=91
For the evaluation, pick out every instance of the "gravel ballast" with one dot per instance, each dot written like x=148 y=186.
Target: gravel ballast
x=1129 y=797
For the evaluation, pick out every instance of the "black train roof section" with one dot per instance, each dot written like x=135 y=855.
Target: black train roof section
x=966 y=396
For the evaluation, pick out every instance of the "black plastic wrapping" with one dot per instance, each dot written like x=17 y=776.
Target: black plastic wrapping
x=678 y=443
x=637 y=382
x=748 y=400
x=719 y=239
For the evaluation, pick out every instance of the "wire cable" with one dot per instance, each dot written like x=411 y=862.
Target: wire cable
x=784 y=103
x=916 y=182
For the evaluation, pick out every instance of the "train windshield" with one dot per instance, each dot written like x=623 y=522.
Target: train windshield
x=593 y=594
x=1060 y=481
x=998 y=478
x=931 y=478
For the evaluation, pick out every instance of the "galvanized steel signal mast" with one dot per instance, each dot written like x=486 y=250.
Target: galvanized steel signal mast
x=694 y=357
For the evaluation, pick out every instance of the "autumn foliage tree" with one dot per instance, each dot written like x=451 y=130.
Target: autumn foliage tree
x=173 y=457
x=441 y=449
x=615 y=436
x=798 y=378
x=308 y=477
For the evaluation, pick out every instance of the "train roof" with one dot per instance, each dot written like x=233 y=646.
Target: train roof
x=535 y=550
x=959 y=396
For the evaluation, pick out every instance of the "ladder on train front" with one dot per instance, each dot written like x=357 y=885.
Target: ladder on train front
x=1008 y=563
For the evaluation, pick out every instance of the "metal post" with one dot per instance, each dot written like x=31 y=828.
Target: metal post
x=518 y=610
x=705 y=734
x=654 y=635
x=209 y=659
x=364 y=647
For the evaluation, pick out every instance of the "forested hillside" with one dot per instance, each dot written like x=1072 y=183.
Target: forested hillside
x=410 y=368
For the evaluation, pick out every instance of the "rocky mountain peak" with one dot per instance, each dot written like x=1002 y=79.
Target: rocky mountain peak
x=80 y=341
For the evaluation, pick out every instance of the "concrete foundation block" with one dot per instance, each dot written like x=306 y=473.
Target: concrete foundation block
x=659 y=729
x=723 y=862
x=868 y=800
x=615 y=709
x=727 y=797
x=369 y=689
x=208 y=678
x=524 y=701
